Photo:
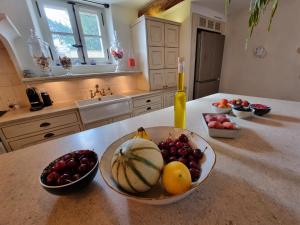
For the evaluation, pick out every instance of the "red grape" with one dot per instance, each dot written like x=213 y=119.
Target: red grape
x=64 y=179
x=72 y=164
x=183 y=160
x=52 y=178
x=84 y=160
x=179 y=144
x=83 y=168
x=164 y=153
x=60 y=165
x=173 y=150
x=182 y=152
x=76 y=177
x=172 y=158
x=197 y=153
x=195 y=174
x=183 y=138
x=193 y=164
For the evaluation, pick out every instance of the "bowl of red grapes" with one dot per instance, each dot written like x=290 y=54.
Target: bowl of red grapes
x=181 y=150
x=260 y=109
x=70 y=172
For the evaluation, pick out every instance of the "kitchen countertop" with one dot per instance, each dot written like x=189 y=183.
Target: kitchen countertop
x=256 y=179
x=25 y=113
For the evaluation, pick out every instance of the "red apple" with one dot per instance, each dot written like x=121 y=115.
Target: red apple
x=228 y=125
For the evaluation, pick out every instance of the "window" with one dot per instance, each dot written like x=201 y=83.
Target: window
x=74 y=30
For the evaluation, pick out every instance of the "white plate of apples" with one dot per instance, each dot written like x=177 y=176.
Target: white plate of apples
x=220 y=125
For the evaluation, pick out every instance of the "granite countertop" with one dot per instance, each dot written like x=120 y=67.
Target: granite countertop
x=256 y=179
x=25 y=113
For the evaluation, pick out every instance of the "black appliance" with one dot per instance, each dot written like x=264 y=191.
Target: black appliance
x=46 y=99
x=34 y=99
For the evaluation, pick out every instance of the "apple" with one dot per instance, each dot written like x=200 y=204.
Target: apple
x=215 y=124
x=228 y=125
x=245 y=103
x=211 y=119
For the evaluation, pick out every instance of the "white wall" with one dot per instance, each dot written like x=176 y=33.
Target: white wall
x=278 y=74
x=22 y=15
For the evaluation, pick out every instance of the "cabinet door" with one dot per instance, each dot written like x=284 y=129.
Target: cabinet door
x=155 y=33
x=170 y=77
x=156 y=57
x=169 y=99
x=171 y=57
x=171 y=35
x=157 y=79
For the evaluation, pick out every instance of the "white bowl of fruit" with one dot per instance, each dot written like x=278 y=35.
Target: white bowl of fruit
x=221 y=106
x=162 y=170
x=220 y=125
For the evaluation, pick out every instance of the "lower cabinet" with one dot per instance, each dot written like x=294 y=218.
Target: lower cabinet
x=169 y=99
x=25 y=132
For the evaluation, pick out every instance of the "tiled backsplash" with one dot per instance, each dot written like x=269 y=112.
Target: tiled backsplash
x=63 y=91
x=12 y=90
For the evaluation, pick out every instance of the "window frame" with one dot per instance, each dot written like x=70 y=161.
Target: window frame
x=105 y=44
x=73 y=11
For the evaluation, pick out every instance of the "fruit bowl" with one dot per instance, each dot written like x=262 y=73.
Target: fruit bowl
x=242 y=113
x=221 y=106
x=157 y=195
x=260 y=109
x=75 y=183
x=217 y=109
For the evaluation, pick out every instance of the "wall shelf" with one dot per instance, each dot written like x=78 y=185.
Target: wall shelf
x=43 y=79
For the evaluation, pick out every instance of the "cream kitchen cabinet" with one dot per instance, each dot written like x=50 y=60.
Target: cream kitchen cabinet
x=24 y=132
x=157 y=79
x=171 y=58
x=169 y=99
x=170 y=78
x=171 y=36
x=156 y=58
x=156 y=46
x=156 y=33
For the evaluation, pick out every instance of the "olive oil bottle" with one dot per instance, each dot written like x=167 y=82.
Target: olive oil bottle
x=180 y=98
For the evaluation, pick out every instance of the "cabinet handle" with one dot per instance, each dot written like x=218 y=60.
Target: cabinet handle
x=148 y=100
x=45 y=124
x=149 y=108
x=49 y=135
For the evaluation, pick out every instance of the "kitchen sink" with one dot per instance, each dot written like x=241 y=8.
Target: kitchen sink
x=105 y=107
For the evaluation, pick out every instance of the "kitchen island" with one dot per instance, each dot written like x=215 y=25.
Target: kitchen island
x=256 y=179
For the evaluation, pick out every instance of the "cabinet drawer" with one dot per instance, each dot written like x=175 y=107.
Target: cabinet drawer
x=39 y=125
x=22 y=143
x=146 y=109
x=147 y=101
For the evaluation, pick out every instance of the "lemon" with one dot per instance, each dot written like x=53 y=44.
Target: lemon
x=176 y=178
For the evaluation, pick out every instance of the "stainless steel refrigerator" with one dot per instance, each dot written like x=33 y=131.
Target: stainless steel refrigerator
x=209 y=56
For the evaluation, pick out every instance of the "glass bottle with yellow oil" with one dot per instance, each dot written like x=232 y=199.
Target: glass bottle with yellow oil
x=180 y=98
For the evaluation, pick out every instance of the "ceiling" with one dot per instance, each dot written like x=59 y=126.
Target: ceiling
x=130 y=3
x=219 y=5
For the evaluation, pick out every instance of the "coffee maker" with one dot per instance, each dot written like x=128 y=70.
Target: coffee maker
x=34 y=99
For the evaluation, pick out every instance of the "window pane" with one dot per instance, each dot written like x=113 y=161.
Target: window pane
x=94 y=47
x=90 y=23
x=58 y=20
x=63 y=44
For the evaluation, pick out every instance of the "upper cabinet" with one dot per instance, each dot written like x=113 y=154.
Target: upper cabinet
x=171 y=36
x=156 y=57
x=156 y=46
x=155 y=33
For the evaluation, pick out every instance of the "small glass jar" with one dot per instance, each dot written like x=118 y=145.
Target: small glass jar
x=40 y=53
x=117 y=52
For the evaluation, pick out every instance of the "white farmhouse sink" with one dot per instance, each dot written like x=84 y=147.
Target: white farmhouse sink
x=92 y=110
